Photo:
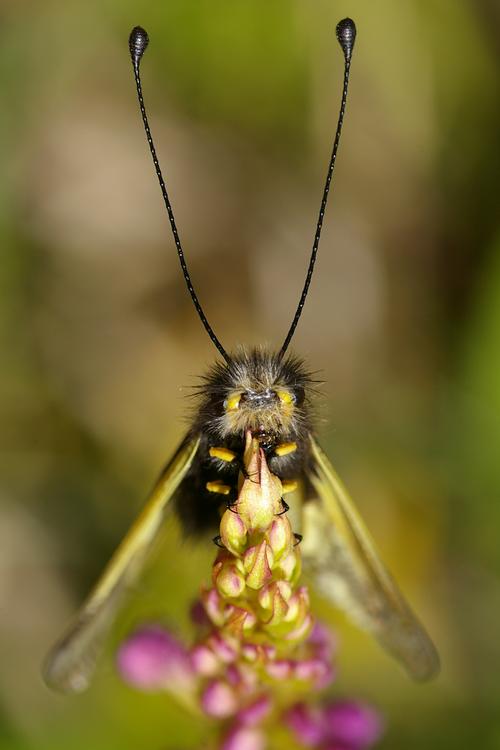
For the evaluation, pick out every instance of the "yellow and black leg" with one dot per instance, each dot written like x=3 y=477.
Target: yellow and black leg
x=221 y=488
x=285 y=449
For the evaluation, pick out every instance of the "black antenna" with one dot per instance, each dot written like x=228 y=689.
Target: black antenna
x=138 y=41
x=346 y=35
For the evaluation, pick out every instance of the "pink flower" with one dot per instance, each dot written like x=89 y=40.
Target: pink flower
x=198 y=614
x=244 y=738
x=323 y=641
x=152 y=659
x=344 y=725
x=352 y=724
x=219 y=700
x=306 y=724
x=256 y=711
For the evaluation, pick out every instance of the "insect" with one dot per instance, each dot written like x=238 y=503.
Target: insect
x=268 y=393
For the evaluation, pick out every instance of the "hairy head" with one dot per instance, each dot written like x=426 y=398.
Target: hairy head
x=255 y=391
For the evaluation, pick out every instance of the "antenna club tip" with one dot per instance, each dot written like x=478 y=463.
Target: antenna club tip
x=346 y=35
x=137 y=42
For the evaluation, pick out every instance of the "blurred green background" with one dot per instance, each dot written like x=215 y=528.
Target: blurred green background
x=100 y=342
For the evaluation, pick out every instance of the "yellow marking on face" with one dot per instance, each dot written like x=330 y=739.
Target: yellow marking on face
x=285 y=397
x=289 y=485
x=285 y=448
x=223 y=453
x=220 y=487
x=232 y=403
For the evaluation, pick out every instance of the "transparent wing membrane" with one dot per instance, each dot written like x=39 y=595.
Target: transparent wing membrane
x=71 y=662
x=339 y=551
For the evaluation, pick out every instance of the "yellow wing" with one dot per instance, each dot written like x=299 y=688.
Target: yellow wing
x=341 y=554
x=71 y=662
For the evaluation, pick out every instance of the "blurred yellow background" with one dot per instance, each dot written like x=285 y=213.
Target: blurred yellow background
x=100 y=342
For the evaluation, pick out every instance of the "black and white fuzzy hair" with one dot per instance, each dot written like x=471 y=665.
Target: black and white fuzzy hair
x=265 y=376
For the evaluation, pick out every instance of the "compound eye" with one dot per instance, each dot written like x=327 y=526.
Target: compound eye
x=299 y=395
x=286 y=397
x=232 y=403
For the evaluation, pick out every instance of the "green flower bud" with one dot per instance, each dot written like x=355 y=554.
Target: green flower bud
x=280 y=536
x=229 y=581
x=258 y=562
x=233 y=532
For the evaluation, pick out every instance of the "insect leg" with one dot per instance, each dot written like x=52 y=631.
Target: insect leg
x=285 y=506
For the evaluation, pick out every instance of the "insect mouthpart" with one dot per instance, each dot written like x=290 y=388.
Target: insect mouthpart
x=266 y=437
